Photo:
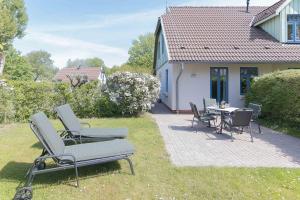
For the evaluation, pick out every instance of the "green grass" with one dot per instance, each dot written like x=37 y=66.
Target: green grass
x=156 y=177
x=292 y=129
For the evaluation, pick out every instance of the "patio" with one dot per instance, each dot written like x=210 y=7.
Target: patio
x=206 y=148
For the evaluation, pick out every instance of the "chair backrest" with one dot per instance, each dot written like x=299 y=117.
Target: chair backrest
x=241 y=117
x=46 y=133
x=195 y=110
x=208 y=102
x=68 y=117
x=256 y=109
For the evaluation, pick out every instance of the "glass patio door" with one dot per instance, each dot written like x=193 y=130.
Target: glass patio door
x=219 y=83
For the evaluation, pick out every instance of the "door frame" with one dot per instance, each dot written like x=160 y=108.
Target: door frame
x=218 y=82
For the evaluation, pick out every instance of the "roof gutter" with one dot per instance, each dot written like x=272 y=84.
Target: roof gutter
x=177 y=87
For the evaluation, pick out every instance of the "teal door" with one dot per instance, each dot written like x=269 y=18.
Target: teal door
x=219 y=83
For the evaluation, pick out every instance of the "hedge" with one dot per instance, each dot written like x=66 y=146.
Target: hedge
x=279 y=94
x=126 y=94
x=20 y=99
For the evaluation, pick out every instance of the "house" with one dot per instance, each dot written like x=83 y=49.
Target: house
x=216 y=51
x=90 y=73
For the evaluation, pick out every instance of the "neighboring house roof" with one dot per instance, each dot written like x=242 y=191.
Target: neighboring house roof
x=221 y=35
x=92 y=73
x=267 y=13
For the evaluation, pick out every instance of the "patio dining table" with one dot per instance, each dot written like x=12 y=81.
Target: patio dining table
x=223 y=112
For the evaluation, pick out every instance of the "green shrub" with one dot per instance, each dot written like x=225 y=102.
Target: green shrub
x=85 y=98
x=279 y=94
x=30 y=97
x=107 y=108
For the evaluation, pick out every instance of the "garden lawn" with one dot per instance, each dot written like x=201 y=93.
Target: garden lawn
x=156 y=177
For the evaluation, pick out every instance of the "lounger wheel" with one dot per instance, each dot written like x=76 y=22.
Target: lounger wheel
x=24 y=193
x=41 y=165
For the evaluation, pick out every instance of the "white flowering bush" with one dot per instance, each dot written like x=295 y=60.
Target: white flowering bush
x=132 y=93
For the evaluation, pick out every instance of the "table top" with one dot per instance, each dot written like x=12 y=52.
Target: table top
x=228 y=109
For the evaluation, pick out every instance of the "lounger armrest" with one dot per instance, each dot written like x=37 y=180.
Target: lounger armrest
x=85 y=123
x=69 y=139
x=55 y=156
x=73 y=131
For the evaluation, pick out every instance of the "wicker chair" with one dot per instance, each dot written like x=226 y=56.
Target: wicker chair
x=239 y=119
x=200 y=117
x=256 y=113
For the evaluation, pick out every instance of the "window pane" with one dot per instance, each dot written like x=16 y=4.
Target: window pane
x=298 y=32
x=290 y=32
x=243 y=85
x=247 y=76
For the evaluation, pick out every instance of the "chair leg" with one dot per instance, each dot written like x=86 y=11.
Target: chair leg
x=193 y=122
x=259 y=129
x=250 y=127
x=131 y=165
x=76 y=174
x=231 y=134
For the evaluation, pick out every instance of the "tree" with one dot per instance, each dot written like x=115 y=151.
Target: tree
x=16 y=66
x=42 y=65
x=88 y=62
x=141 y=52
x=13 y=21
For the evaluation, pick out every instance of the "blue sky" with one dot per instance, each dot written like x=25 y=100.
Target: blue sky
x=70 y=29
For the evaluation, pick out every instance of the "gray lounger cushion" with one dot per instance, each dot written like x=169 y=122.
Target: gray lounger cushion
x=81 y=152
x=91 y=151
x=72 y=123
x=48 y=133
x=105 y=132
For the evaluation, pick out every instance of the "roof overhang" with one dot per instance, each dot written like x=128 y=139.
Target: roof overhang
x=267 y=19
x=232 y=62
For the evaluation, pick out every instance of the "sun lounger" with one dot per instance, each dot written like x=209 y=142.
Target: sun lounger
x=69 y=157
x=74 y=128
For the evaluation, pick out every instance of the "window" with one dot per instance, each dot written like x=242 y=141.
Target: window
x=293 y=28
x=167 y=80
x=247 y=75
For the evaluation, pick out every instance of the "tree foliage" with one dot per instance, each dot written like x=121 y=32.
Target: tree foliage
x=16 y=66
x=89 y=62
x=42 y=65
x=141 y=52
x=13 y=21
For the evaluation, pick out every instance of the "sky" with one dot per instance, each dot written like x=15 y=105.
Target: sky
x=70 y=29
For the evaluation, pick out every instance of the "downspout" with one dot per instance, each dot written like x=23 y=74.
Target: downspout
x=177 y=87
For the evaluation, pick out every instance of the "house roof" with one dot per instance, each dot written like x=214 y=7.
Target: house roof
x=92 y=73
x=221 y=35
x=268 y=12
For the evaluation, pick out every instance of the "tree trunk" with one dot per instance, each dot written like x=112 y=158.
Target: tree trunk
x=2 y=62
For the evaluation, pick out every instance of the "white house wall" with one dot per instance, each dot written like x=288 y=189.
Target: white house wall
x=194 y=83
x=273 y=27
x=167 y=97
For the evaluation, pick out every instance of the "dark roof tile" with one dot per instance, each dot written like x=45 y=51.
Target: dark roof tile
x=209 y=34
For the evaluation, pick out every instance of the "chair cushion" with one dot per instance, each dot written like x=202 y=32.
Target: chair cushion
x=48 y=133
x=69 y=119
x=90 y=151
x=104 y=132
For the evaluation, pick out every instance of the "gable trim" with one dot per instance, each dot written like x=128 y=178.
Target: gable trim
x=283 y=6
x=267 y=19
x=165 y=39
